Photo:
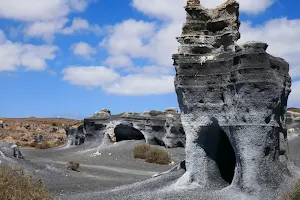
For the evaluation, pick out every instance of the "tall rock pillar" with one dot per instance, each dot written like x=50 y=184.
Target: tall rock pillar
x=233 y=100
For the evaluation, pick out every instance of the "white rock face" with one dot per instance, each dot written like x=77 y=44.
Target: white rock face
x=110 y=130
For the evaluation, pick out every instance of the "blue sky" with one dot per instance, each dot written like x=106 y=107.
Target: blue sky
x=70 y=58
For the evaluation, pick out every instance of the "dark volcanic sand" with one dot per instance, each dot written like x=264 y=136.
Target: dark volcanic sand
x=115 y=166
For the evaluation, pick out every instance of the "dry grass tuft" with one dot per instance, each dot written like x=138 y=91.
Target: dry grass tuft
x=152 y=155
x=294 y=194
x=15 y=185
x=158 y=156
x=140 y=150
x=43 y=145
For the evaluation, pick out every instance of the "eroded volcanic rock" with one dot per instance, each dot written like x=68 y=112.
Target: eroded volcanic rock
x=155 y=127
x=233 y=100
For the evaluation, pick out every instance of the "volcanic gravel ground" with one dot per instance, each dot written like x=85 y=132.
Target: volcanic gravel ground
x=100 y=168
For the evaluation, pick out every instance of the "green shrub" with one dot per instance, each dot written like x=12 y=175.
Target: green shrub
x=141 y=150
x=294 y=194
x=158 y=156
x=15 y=185
x=43 y=145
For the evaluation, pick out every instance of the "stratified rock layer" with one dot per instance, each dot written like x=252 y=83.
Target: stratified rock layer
x=155 y=127
x=233 y=100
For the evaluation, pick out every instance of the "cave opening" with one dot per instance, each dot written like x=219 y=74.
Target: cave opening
x=127 y=132
x=217 y=146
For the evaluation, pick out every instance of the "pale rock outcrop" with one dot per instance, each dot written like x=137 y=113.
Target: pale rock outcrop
x=291 y=131
x=293 y=121
x=104 y=113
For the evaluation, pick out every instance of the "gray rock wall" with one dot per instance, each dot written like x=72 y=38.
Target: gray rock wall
x=155 y=127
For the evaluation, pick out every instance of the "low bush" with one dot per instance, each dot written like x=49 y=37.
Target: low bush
x=294 y=194
x=73 y=166
x=158 y=156
x=43 y=145
x=152 y=155
x=15 y=185
x=59 y=143
x=141 y=150
x=32 y=144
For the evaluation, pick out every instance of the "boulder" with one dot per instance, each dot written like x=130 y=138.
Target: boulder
x=171 y=110
x=73 y=166
x=103 y=114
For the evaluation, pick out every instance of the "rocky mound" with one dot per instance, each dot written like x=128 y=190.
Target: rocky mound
x=28 y=130
x=155 y=127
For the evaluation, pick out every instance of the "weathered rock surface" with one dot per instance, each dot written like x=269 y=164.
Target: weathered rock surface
x=293 y=121
x=233 y=100
x=155 y=127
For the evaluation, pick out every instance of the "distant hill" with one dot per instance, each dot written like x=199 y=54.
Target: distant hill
x=294 y=110
x=24 y=130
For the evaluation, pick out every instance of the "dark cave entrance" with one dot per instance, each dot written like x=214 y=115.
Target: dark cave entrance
x=127 y=132
x=217 y=146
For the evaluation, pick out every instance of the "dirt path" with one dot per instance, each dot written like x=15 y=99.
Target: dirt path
x=99 y=167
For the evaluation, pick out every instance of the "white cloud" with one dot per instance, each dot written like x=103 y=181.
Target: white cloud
x=139 y=39
x=32 y=57
x=47 y=29
x=283 y=38
x=112 y=82
x=90 y=77
x=79 y=5
x=294 y=99
x=83 y=49
x=14 y=55
x=79 y=24
x=139 y=84
x=162 y=9
x=118 y=61
x=173 y=9
x=36 y=10
x=128 y=37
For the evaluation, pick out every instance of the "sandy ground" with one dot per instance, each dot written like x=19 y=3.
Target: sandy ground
x=100 y=168
x=103 y=169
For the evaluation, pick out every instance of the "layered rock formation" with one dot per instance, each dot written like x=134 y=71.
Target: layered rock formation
x=155 y=127
x=233 y=100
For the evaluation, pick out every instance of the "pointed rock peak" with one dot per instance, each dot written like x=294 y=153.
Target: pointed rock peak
x=193 y=3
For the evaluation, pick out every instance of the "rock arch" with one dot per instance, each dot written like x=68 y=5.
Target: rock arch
x=119 y=130
x=127 y=132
